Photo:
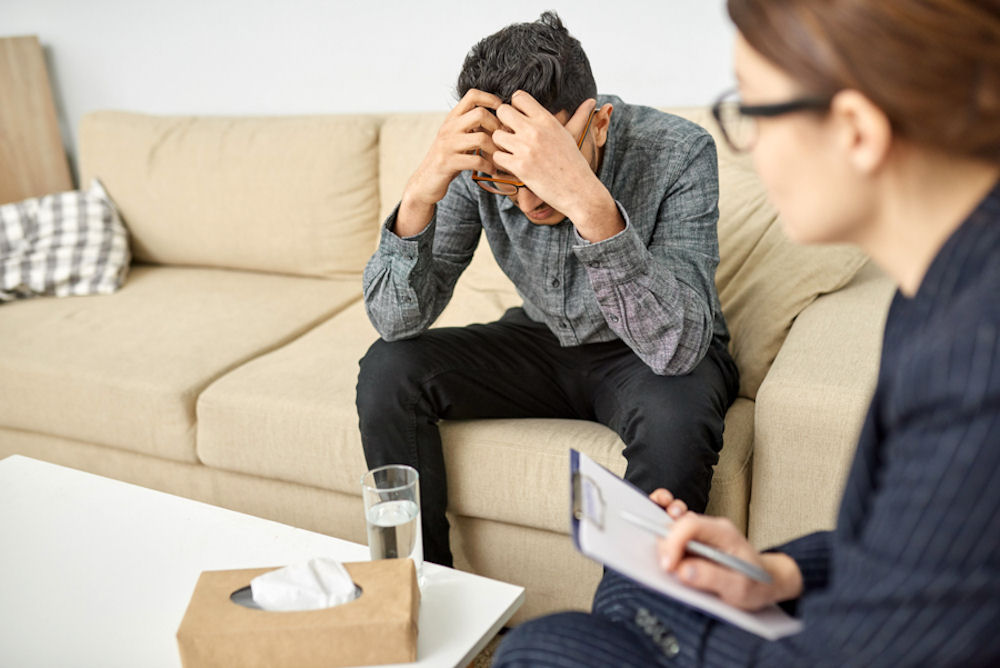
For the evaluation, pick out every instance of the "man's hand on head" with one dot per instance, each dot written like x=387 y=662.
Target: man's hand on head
x=542 y=152
x=464 y=142
x=537 y=148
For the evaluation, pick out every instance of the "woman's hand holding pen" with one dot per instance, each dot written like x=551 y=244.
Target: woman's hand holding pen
x=729 y=585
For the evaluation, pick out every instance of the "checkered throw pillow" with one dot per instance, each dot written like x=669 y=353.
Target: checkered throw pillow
x=70 y=243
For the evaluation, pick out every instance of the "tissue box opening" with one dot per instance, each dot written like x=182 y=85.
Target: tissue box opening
x=244 y=596
x=380 y=626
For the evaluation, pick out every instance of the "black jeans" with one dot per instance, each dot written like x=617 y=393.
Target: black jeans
x=515 y=368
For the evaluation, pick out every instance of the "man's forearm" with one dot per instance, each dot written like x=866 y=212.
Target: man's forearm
x=412 y=217
x=666 y=322
x=597 y=217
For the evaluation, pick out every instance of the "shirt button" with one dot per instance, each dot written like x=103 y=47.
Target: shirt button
x=563 y=324
x=670 y=646
x=613 y=318
x=555 y=282
x=594 y=264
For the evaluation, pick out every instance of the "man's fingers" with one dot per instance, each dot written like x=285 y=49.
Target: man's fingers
x=476 y=98
x=476 y=162
x=504 y=161
x=503 y=139
x=470 y=142
x=526 y=104
x=511 y=117
x=524 y=112
x=477 y=118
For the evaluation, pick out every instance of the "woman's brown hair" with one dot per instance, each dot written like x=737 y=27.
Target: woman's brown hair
x=932 y=66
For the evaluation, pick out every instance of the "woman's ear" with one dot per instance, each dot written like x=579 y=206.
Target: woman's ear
x=864 y=132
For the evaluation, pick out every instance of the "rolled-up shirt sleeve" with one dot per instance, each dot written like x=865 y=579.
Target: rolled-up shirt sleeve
x=409 y=280
x=657 y=295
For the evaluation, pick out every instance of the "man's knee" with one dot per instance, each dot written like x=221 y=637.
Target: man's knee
x=673 y=445
x=387 y=366
x=682 y=422
x=686 y=408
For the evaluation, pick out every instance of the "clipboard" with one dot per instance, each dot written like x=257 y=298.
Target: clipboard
x=597 y=499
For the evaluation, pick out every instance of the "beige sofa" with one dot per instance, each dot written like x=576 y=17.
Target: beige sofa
x=225 y=368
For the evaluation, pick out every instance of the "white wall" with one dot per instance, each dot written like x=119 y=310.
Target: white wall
x=329 y=56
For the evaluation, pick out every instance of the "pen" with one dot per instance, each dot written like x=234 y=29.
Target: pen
x=728 y=560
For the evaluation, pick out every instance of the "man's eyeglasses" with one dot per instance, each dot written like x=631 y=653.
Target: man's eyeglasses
x=506 y=184
x=738 y=121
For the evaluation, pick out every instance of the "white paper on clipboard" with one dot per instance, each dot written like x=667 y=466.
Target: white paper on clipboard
x=597 y=498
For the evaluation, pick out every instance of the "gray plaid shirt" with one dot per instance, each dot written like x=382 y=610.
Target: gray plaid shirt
x=652 y=285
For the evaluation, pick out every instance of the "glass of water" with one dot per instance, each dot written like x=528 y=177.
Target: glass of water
x=392 y=514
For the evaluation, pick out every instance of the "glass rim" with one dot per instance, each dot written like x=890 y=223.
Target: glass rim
x=396 y=488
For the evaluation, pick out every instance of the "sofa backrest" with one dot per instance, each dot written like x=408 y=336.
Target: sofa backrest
x=763 y=279
x=306 y=195
x=293 y=195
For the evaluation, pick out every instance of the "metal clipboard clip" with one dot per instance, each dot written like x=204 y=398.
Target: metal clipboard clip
x=588 y=502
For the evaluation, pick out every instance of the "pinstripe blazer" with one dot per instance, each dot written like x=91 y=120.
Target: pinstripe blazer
x=911 y=574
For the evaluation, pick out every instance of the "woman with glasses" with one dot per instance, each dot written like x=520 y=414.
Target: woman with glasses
x=877 y=124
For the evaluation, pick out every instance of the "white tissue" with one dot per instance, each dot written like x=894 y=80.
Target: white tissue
x=311 y=585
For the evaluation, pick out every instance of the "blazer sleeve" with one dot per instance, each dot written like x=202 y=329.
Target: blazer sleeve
x=812 y=555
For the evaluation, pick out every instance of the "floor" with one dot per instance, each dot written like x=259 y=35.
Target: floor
x=484 y=658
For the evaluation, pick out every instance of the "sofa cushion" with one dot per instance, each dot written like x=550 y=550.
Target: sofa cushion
x=295 y=195
x=517 y=471
x=291 y=414
x=69 y=243
x=124 y=370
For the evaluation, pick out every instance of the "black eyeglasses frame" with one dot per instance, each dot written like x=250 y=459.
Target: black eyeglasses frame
x=764 y=111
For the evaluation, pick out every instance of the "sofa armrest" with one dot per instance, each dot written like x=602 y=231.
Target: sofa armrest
x=810 y=409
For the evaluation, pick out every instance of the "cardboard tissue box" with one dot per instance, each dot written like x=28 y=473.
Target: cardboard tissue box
x=380 y=626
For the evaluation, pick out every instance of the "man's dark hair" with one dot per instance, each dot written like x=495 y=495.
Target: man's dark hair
x=540 y=58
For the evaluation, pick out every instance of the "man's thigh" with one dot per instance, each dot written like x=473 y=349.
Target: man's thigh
x=623 y=384
x=500 y=369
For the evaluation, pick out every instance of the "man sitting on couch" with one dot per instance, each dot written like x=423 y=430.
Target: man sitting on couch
x=606 y=224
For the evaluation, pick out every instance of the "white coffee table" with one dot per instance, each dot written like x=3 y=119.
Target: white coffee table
x=97 y=572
